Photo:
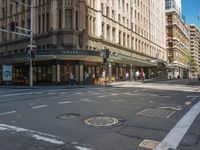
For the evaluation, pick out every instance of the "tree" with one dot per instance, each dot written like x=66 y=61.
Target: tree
x=191 y=63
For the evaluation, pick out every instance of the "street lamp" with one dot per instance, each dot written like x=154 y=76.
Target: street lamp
x=31 y=45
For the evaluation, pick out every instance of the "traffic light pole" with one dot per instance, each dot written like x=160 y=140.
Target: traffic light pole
x=31 y=46
x=26 y=35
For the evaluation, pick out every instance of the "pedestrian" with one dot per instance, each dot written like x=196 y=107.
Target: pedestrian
x=137 y=74
x=127 y=76
x=71 y=78
x=152 y=75
x=103 y=77
x=86 y=75
x=142 y=75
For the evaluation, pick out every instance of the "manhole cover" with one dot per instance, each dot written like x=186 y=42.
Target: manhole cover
x=101 y=121
x=150 y=144
x=68 y=116
x=157 y=113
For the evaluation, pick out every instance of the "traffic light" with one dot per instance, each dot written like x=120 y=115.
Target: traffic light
x=12 y=26
x=33 y=52
x=104 y=60
x=106 y=53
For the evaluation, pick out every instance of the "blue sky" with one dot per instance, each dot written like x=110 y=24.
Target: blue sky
x=191 y=10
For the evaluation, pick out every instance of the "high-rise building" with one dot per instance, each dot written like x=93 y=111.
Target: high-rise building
x=71 y=34
x=178 y=43
x=174 y=4
x=195 y=49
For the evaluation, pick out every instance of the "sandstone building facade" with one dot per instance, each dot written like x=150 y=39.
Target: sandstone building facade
x=178 y=43
x=195 y=49
x=71 y=34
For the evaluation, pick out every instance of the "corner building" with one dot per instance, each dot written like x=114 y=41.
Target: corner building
x=71 y=34
x=195 y=49
x=178 y=43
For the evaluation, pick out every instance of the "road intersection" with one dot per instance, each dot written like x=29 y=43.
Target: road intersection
x=29 y=118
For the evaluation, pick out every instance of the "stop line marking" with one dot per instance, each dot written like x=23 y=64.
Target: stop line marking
x=40 y=136
x=34 y=134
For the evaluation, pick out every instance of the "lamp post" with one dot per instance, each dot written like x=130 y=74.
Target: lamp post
x=31 y=40
x=30 y=35
x=31 y=45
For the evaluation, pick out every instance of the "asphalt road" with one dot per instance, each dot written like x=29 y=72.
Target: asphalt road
x=54 y=118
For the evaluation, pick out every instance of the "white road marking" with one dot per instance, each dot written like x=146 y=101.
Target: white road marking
x=30 y=93
x=41 y=106
x=175 y=136
x=192 y=96
x=34 y=134
x=66 y=102
x=9 y=112
x=128 y=93
x=17 y=94
x=114 y=94
x=101 y=96
x=86 y=100
x=82 y=148
x=49 y=140
x=188 y=103
x=95 y=93
x=38 y=92
x=78 y=93
x=2 y=128
x=63 y=93
x=51 y=93
x=173 y=108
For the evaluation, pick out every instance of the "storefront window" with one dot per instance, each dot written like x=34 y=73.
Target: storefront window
x=65 y=72
x=49 y=73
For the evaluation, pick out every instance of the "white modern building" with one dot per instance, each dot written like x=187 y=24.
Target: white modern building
x=176 y=4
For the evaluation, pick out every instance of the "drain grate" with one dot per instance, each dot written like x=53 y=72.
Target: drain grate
x=101 y=121
x=68 y=116
x=150 y=144
x=157 y=113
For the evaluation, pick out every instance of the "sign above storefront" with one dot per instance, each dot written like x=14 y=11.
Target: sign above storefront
x=68 y=52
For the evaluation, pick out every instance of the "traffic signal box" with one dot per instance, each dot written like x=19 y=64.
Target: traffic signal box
x=33 y=53
x=105 y=55
x=12 y=26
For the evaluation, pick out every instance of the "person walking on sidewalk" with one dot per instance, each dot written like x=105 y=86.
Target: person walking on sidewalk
x=103 y=77
x=86 y=76
x=137 y=74
x=142 y=75
x=71 y=79
x=127 y=76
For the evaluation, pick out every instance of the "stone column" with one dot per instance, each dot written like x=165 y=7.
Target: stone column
x=98 y=27
x=91 y=25
x=131 y=72
x=81 y=72
x=58 y=73
x=116 y=18
x=54 y=6
x=110 y=72
x=63 y=24
x=35 y=18
x=82 y=16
